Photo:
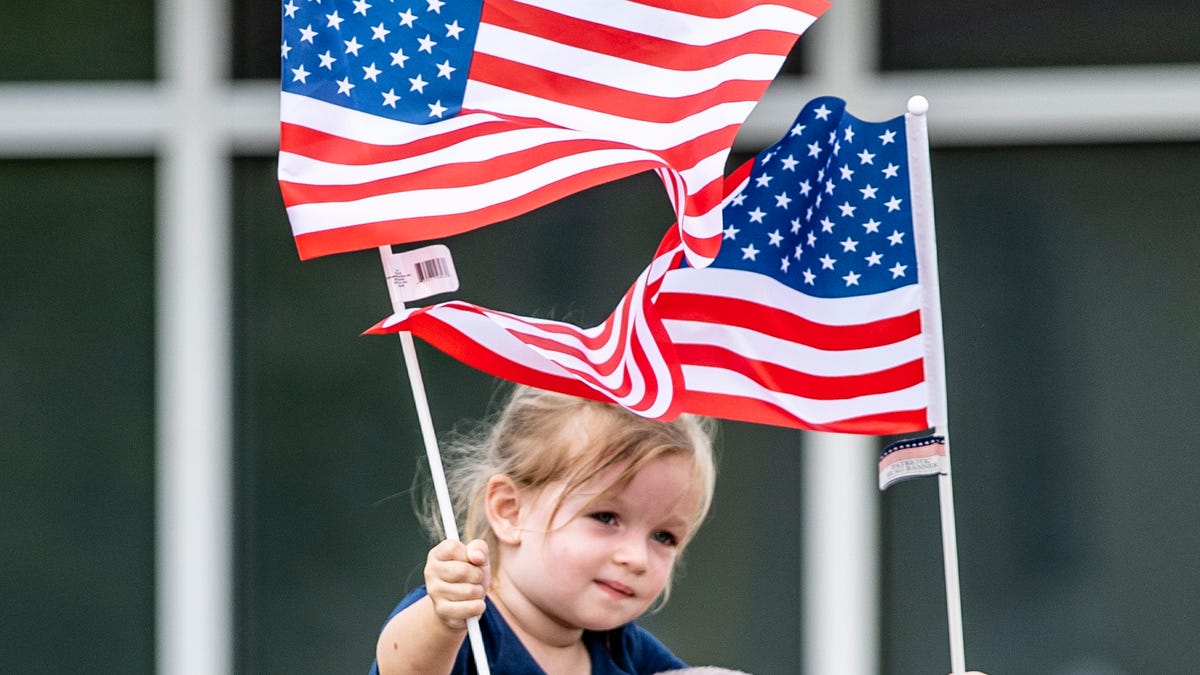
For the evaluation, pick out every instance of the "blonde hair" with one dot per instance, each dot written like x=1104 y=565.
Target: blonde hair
x=542 y=437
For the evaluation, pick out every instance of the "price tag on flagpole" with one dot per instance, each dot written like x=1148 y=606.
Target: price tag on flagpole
x=422 y=272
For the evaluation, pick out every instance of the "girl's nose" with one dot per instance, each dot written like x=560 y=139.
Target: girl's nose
x=633 y=553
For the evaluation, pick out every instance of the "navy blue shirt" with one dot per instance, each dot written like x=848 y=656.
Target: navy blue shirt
x=624 y=650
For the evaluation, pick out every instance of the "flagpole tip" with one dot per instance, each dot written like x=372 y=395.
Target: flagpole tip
x=918 y=105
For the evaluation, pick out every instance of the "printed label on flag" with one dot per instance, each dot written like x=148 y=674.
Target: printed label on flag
x=912 y=458
x=423 y=272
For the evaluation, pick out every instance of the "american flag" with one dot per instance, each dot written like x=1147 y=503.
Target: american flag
x=415 y=119
x=811 y=314
x=913 y=458
x=622 y=360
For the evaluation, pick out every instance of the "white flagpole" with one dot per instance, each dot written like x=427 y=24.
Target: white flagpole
x=434 y=456
x=920 y=178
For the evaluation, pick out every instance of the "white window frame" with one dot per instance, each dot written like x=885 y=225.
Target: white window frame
x=193 y=120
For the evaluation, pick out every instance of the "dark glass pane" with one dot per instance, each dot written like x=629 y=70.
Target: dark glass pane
x=328 y=442
x=77 y=419
x=1070 y=292
x=255 y=34
x=920 y=34
x=77 y=40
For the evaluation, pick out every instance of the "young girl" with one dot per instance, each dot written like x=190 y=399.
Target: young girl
x=575 y=513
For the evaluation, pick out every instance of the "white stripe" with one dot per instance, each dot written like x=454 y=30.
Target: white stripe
x=679 y=26
x=621 y=73
x=720 y=381
x=739 y=285
x=365 y=127
x=789 y=354
x=317 y=217
x=639 y=133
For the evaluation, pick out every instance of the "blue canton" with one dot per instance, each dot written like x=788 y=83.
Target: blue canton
x=827 y=209
x=405 y=60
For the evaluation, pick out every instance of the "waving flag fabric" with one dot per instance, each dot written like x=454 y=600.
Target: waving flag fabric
x=811 y=314
x=621 y=360
x=814 y=315
x=408 y=121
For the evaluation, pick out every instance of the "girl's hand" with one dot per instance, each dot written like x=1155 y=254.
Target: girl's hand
x=457 y=577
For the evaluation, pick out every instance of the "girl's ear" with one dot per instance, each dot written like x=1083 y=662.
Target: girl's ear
x=503 y=503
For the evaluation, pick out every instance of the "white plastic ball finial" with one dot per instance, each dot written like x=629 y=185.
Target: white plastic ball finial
x=918 y=105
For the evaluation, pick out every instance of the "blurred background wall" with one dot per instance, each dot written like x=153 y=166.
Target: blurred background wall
x=194 y=437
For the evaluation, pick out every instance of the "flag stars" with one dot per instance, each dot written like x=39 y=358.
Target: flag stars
x=284 y=50
x=812 y=239
x=888 y=137
x=851 y=279
x=814 y=149
x=849 y=245
x=865 y=157
x=829 y=187
x=398 y=58
x=390 y=97
x=826 y=224
x=756 y=216
x=352 y=45
x=827 y=262
x=795 y=226
x=379 y=32
x=749 y=253
x=427 y=44
x=361 y=7
x=763 y=180
x=797 y=130
x=893 y=204
x=738 y=199
x=847 y=172
x=849 y=135
x=847 y=209
x=898 y=270
x=874 y=259
x=775 y=238
x=784 y=264
x=789 y=163
x=782 y=200
x=896 y=237
x=890 y=171
x=453 y=29
x=300 y=74
x=418 y=84
x=290 y=9
x=307 y=34
x=407 y=18
x=327 y=60
x=444 y=69
x=335 y=21
x=435 y=6
x=344 y=86
x=805 y=188
x=730 y=232
x=809 y=277
x=822 y=113
x=371 y=73
x=868 y=192
x=872 y=226
x=436 y=109
x=799 y=251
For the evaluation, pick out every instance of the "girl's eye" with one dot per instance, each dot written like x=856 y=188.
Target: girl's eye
x=665 y=538
x=606 y=517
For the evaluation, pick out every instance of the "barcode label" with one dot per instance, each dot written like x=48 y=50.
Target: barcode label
x=436 y=268
x=422 y=272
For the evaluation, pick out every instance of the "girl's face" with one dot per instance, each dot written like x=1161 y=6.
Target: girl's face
x=605 y=558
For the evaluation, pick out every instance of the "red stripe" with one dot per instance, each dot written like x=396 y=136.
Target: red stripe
x=728 y=8
x=578 y=92
x=785 y=380
x=785 y=325
x=404 y=230
x=329 y=147
x=630 y=45
x=763 y=412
